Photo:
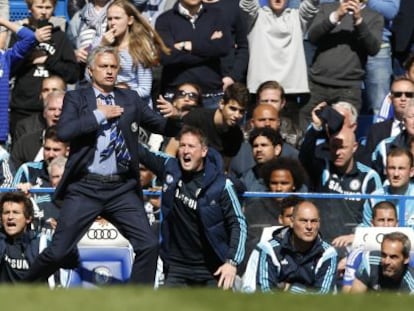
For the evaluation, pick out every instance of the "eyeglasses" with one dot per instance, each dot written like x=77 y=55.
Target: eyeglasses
x=182 y=94
x=400 y=94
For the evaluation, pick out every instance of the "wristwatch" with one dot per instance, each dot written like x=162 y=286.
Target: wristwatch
x=231 y=262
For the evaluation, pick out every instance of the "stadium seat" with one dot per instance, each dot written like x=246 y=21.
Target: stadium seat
x=18 y=10
x=106 y=259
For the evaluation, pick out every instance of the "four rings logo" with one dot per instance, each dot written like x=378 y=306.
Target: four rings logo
x=102 y=234
x=378 y=238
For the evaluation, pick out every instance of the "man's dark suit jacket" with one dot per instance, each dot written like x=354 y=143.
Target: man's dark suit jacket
x=78 y=126
x=403 y=26
x=377 y=132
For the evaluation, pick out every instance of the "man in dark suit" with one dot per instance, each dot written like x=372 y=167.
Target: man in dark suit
x=102 y=173
x=402 y=89
x=403 y=31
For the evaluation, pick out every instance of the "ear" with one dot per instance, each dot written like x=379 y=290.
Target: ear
x=355 y=147
x=406 y=260
x=278 y=150
x=280 y=219
x=89 y=71
x=283 y=103
x=412 y=172
x=28 y=220
x=204 y=151
x=221 y=104
x=131 y=20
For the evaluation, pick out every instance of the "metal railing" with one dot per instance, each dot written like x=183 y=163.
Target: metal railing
x=402 y=199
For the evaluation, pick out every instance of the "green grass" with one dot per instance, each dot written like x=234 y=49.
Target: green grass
x=29 y=298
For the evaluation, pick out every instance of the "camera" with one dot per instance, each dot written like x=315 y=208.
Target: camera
x=43 y=23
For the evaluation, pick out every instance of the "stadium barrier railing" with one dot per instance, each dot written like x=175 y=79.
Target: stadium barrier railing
x=402 y=199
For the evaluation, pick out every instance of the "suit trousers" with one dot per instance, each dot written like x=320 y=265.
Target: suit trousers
x=119 y=203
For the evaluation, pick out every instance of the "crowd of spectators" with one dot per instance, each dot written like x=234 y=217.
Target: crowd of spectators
x=275 y=90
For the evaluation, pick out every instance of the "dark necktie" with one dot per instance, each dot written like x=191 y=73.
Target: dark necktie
x=116 y=139
x=401 y=126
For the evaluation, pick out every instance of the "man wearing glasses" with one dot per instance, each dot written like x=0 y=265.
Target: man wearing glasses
x=220 y=125
x=402 y=89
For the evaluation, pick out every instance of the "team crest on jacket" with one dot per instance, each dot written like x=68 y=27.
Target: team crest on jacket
x=169 y=179
x=134 y=127
x=355 y=184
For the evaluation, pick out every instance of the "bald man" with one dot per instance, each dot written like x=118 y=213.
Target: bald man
x=296 y=259
x=264 y=115
x=337 y=171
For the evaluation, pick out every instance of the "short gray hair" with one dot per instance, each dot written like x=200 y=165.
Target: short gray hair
x=56 y=94
x=101 y=50
x=59 y=161
x=351 y=108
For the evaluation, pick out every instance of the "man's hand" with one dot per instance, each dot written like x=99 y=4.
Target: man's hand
x=227 y=274
x=355 y=6
x=44 y=34
x=227 y=81
x=343 y=240
x=81 y=55
x=316 y=121
x=218 y=34
x=25 y=188
x=110 y=111
x=166 y=108
x=349 y=7
x=184 y=46
x=52 y=222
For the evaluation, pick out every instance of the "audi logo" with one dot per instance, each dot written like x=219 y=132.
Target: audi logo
x=102 y=234
x=378 y=238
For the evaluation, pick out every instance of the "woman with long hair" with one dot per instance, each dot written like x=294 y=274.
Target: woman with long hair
x=138 y=44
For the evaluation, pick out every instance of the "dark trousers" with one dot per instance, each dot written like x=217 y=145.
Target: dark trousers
x=117 y=202
x=190 y=276
x=320 y=93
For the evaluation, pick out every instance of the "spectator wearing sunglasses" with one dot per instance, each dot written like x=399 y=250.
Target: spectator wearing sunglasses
x=402 y=140
x=221 y=125
x=185 y=98
x=387 y=110
x=402 y=90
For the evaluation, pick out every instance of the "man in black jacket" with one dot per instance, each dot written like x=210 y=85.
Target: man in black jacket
x=198 y=37
x=18 y=245
x=54 y=56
